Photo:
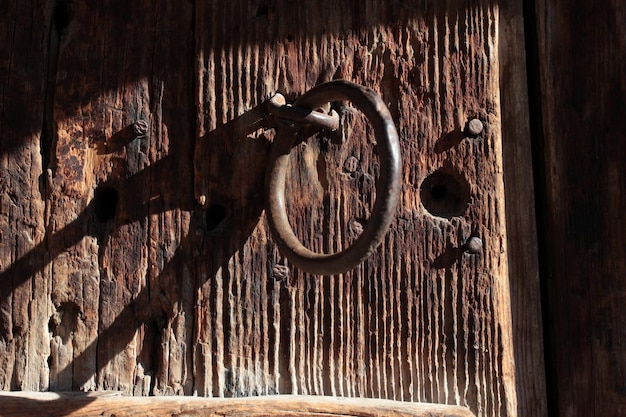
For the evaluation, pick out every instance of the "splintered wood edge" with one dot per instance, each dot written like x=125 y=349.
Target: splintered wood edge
x=115 y=404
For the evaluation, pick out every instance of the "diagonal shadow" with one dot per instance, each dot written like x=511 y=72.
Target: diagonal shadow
x=24 y=405
x=222 y=231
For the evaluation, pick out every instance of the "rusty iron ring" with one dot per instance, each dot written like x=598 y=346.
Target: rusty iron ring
x=387 y=186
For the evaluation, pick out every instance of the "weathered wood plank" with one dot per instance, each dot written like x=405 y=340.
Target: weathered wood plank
x=420 y=321
x=582 y=57
x=520 y=209
x=97 y=404
x=122 y=136
x=25 y=61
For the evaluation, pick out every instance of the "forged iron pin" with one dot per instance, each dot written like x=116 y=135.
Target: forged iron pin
x=301 y=116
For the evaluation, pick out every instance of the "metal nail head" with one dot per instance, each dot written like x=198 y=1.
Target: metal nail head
x=474 y=127
x=351 y=164
x=280 y=272
x=474 y=245
x=140 y=128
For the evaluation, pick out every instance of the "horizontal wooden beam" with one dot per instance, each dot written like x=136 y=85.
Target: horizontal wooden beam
x=115 y=404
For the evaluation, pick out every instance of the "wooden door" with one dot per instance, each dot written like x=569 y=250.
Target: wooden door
x=137 y=254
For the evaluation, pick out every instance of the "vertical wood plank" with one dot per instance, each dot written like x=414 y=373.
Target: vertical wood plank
x=421 y=320
x=520 y=208
x=118 y=212
x=24 y=306
x=582 y=68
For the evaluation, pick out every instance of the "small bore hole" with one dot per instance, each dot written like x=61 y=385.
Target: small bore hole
x=215 y=215
x=445 y=193
x=105 y=203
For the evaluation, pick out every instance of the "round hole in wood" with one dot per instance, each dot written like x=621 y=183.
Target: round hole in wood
x=445 y=193
x=215 y=215
x=104 y=202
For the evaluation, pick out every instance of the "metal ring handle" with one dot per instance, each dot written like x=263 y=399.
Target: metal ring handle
x=387 y=185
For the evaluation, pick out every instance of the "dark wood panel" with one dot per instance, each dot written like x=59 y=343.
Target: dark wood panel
x=582 y=56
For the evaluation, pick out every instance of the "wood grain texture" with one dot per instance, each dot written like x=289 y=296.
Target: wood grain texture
x=582 y=55
x=120 y=200
x=25 y=62
x=520 y=219
x=420 y=321
x=98 y=404
x=145 y=292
